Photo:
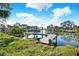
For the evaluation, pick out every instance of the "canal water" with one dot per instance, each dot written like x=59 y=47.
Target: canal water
x=67 y=39
x=62 y=40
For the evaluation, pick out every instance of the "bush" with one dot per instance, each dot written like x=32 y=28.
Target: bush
x=77 y=50
x=2 y=53
x=5 y=40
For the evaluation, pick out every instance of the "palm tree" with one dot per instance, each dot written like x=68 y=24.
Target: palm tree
x=4 y=13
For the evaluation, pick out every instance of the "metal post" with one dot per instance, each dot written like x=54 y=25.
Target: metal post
x=34 y=35
x=36 y=32
x=56 y=40
x=42 y=32
x=55 y=44
x=27 y=36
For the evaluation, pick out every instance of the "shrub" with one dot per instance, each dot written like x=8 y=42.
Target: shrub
x=77 y=50
x=2 y=53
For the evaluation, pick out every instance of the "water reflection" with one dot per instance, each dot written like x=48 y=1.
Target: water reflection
x=67 y=39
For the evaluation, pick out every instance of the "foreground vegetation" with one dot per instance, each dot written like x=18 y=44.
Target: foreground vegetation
x=13 y=46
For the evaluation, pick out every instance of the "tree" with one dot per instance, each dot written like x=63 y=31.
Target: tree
x=68 y=25
x=5 y=6
x=2 y=27
x=4 y=13
x=50 y=29
x=77 y=32
x=56 y=29
x=16 y=31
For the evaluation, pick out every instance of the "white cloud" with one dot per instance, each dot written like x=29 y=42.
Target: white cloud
x=23 y=15
x=28 y=19
x=11 y=21
x=32 y=20
x=58 y=13
x=39 y=6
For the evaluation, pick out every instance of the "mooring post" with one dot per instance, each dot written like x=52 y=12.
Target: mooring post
x=55 y=43
x=56 y=40
x=42 y=32
x=27 y=36
x=50 y=42
x=34 y=35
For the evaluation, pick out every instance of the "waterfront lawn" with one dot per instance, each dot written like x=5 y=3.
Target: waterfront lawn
x=13 y=46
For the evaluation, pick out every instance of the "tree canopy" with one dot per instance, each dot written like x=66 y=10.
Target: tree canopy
x=68 y=25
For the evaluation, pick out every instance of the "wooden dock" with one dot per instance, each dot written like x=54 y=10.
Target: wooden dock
x=51 y=36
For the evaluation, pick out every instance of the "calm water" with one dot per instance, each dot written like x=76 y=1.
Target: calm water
x=68 y=39
x=62 y=40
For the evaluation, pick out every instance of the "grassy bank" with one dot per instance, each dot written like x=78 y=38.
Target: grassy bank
x=13 y=46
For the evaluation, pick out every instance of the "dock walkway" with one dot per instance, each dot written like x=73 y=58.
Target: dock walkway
x=46 y=39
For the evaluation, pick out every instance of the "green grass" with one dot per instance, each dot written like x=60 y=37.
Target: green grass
x=13 y=46
x=65 y=51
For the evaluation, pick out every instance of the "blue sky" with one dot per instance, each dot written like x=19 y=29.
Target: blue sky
x=43 y=14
